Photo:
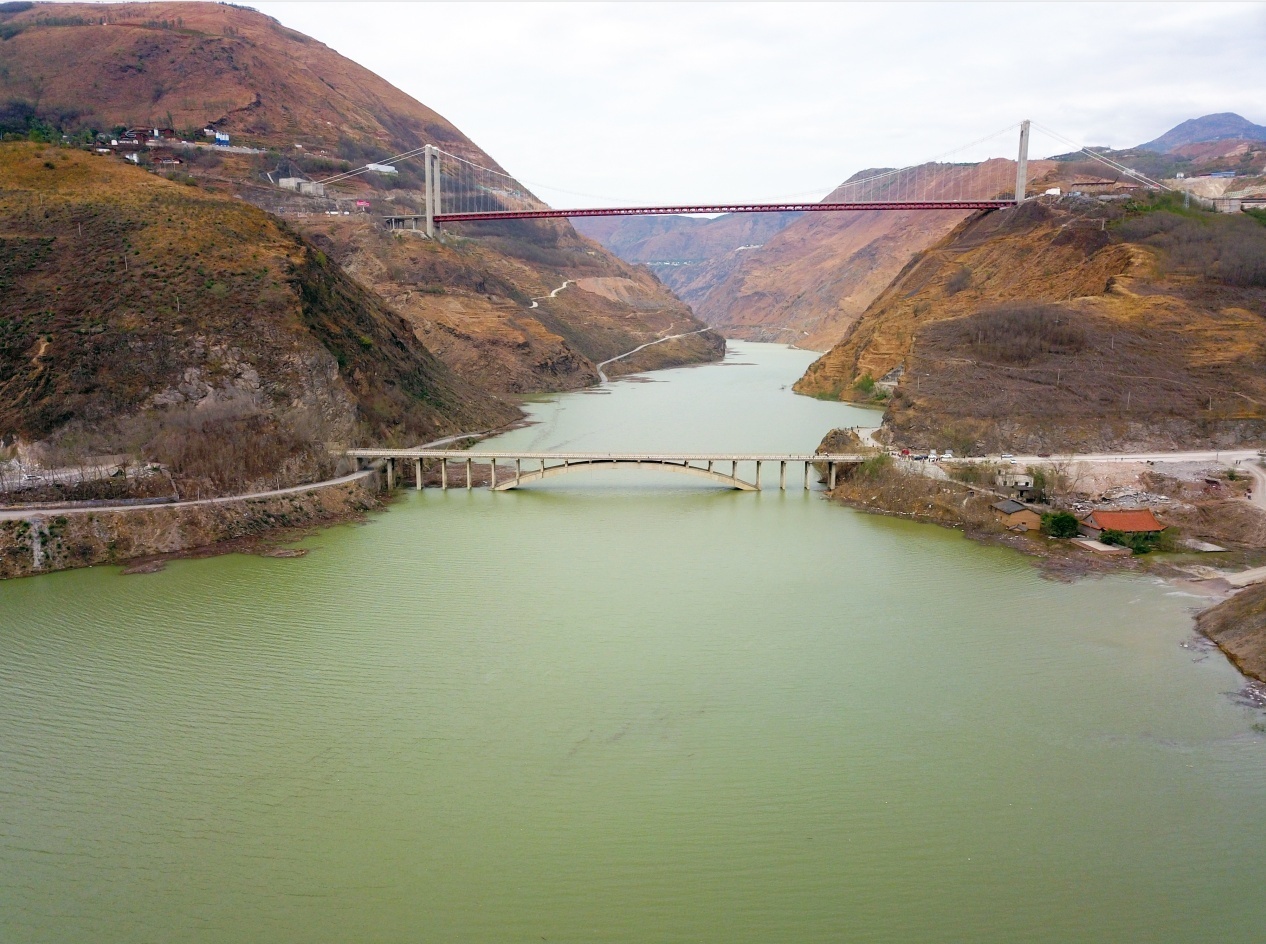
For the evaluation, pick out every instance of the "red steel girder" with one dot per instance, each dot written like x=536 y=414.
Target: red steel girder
x=551 y=214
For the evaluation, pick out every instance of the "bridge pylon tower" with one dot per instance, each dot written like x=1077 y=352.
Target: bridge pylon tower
x=431 y=186
x=1022 y=163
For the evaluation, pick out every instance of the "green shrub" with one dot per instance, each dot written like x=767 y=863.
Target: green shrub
x=1059 y=524
x=874 y=467
x=1137 y=542
x=865 y=384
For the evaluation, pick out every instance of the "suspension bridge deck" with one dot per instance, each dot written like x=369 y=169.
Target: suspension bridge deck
x=550 y=464
x=403 y=221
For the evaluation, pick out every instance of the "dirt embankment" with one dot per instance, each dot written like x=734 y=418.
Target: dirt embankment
x=1238 y=626
x=42 y=543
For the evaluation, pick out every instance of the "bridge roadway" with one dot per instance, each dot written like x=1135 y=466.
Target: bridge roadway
x=549 y=464
x=411 y=220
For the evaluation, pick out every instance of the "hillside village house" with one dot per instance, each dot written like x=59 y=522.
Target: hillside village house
x=1016 y=516
x=1016 y=484
x=1135 y=521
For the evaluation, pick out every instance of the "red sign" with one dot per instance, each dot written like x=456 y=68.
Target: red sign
x=362 y=203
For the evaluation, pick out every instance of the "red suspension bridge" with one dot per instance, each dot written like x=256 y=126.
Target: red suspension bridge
x=457 y=190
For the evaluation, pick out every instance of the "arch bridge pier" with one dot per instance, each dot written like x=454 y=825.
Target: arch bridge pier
x=509 y=469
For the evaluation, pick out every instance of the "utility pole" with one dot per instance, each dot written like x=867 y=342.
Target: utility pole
x=1022 y=163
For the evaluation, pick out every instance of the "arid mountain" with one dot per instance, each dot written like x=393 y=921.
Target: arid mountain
x=308 y=112
x=691 y=255
x=811 y=280
x=652 y=239
x=148 y=318
x=190 y=65
x=496 y=310
x=1207 y=128
x=1068 y=324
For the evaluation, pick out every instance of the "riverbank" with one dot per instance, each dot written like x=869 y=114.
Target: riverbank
x=884 y=488
x=1234 y=621
x=43 y=542
x=1238 y=627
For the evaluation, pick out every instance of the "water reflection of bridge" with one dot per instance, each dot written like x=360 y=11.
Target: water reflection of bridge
x=510 y=469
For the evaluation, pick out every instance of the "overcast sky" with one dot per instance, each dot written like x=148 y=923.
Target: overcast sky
x=677 y=102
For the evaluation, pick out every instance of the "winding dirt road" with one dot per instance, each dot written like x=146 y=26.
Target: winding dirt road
x=553 y=294
x=620 y=357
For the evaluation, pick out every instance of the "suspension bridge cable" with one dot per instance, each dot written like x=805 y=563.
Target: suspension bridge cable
x=1115 y=165
x=468 y=187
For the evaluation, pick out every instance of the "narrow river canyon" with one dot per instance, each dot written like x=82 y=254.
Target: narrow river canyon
x=625 y=707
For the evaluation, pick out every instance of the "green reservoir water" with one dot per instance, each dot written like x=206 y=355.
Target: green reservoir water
x=625 y=707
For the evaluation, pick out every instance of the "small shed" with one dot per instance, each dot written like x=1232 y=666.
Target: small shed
x=1016 y=516
x=1132 y=521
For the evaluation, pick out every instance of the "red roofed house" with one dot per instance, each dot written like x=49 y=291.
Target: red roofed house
x=1136 y=521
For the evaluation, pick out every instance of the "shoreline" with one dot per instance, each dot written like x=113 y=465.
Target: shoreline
x=1217 y=620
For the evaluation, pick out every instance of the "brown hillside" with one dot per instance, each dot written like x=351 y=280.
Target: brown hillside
x=1046 y=328
x=681 y=238
x=270 y=86
x=470 y=301
x=188 y=65
x=149 y=318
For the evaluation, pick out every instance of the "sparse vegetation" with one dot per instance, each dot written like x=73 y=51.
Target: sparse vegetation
x=1227 y=248
x=177 y=327
x=874 y=467
x=1019 y=333
x=961 y=279
x=973 y=473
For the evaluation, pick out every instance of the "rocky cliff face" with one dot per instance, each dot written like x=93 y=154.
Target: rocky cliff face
x=1071 y=325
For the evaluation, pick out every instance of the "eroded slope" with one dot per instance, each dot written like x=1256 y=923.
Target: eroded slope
x=1064 y=327
x=150 y=319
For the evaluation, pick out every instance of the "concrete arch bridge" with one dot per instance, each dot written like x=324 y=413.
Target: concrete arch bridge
x=510 y=470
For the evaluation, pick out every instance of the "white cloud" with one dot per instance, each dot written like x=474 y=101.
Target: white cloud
x=678 y=102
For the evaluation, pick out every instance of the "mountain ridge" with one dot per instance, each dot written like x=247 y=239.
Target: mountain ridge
x=1217 y=127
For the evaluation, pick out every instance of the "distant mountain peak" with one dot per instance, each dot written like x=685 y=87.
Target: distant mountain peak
x=1217 y=127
